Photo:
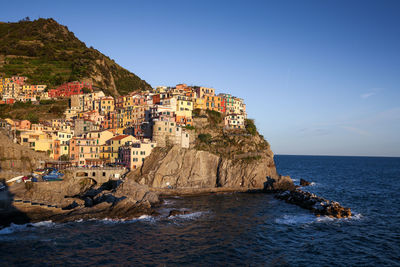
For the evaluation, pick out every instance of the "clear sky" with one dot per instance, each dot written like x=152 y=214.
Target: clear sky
x=318 y=77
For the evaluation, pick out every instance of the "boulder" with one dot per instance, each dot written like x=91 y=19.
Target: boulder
x=304 y=182
x=318 y=205
x=178 y=212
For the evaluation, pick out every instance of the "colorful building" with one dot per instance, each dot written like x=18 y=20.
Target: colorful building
x=82 y=150
x=133 y=154
x=69 y=89
x=109 y=151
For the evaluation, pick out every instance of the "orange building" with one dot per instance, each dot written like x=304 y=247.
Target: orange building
x=215 y=103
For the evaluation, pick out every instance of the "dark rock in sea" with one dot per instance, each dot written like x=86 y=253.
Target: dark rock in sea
x=318 y=205
x=281 y=183
x=304 y=182
x=177 y=212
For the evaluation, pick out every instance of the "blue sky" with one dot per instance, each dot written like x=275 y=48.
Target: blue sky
x=319 y=77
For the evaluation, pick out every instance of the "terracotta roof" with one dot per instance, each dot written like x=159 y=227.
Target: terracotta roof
x=119 y=137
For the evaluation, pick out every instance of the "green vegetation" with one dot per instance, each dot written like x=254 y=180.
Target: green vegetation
x=49 y=109
x=86 y=90
x=47 y=102
x=251 y=127
x=205 y=138
x=48 y=53
x=32 y=117
x=214 y=117
x=64 y=158
x=190 y=127
x=251 y=158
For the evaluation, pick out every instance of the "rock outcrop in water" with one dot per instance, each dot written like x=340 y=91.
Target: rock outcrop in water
x=72 y=199
x=226 y=159
x=318 y=205
x=304 y=182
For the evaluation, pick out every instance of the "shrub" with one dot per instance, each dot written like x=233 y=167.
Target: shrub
x=205 y=138
x=33 y=118
x=189 y=127
x=196 y=112
x=64 y=158
x=47 y=102
x=86 y=90
x=214 y=117
x=56 y=110
x=251 y=127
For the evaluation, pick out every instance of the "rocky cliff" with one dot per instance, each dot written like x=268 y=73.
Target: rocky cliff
x=16 y=159
x=180 y=168
x=74 y=199
x=217 y=159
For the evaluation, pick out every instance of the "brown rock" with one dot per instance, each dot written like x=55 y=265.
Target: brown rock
x=304 y=182
x=177 y=212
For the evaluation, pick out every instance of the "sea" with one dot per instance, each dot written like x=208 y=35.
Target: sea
x=237 y=229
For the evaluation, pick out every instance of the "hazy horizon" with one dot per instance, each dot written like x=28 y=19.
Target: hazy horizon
x=319 y=78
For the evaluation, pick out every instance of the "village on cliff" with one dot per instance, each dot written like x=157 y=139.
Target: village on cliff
x=100 y=130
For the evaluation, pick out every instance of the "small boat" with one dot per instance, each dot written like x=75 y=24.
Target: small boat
x=53 y=176
x=15 y=179
x=39 y=171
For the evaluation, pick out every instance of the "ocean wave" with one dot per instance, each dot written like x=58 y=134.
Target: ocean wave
x=13 y=228
x=189 y=216
x=168 y=202
x=296 y=219
x=307 y=219
x=122 y=221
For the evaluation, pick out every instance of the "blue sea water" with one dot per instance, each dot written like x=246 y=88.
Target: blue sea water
x=240 y=228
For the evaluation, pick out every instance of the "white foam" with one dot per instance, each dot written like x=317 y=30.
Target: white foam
x=189 y=216
x=357 y=216
x=168 y=202
x=145 y=217
x=296 y=219
x=119 y=221
x=307 y=219
x=13 y=228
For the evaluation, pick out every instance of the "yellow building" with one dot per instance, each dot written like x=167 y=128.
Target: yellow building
x=106 y=105
x=45 y=145
x=199 y=103
x=184 y=110
x=109 y=151
x=100 y=136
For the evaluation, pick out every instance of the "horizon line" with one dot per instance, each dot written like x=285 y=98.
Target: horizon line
x=312 y=155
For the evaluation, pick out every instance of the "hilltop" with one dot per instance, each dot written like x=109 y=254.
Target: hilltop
x=48 y=53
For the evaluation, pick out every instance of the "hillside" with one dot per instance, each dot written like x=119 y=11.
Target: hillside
x=47 y=109
x=47 y=52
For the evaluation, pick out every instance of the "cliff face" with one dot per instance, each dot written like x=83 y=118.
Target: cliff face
x=217 y=159
x=181 y=168
x=17 y=159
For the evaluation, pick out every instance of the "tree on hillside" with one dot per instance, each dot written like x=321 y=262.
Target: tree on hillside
x=86 y=90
